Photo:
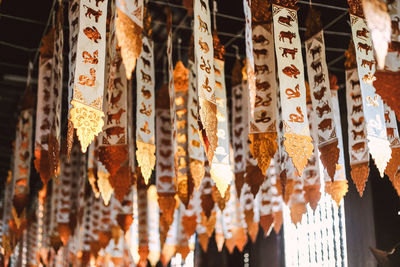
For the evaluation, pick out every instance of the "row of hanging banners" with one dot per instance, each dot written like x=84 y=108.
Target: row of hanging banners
x=212 y=173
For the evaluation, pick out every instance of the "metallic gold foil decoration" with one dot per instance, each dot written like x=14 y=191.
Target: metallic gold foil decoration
x=129 y=26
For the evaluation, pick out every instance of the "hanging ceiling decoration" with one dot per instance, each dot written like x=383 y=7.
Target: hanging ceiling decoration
x=226 y=155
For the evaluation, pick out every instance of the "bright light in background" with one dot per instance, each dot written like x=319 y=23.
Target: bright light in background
x=320 y=239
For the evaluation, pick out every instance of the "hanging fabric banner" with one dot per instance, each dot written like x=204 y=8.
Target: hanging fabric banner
x=65 y=203
x=73 y=19
x=113 y=141
x=87 y=101
x=393 y=136
x=339 y=186
x=204 y=54
x=378 y=144
x=297 y=203
x=129 y=32
x=145 y=78
x=247 y=204
x=221 y=171
x=44 y=114
x=386 y=83
x=55 y=130
x=142 y=204
x=196 y=151
x=253 y=176
x=276 y=200
x=318 y=78
x=298 y=142
x=265 y=204
x=22 y=163
x=311 y=173
x=171 y=93
x=184 y=181
x=183 y=246
x=228 y=220
x=124 y=216
x=357 y=130
x=165 y=180
x=239 y=126
x=153 y=226
x=262 y=122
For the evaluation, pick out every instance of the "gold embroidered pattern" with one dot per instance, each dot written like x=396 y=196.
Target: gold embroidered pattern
x=87 y=121
x=299 y=148
x=146 y=158
x=263 y=148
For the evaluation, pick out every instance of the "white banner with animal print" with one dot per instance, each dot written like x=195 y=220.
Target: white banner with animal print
x=239 y=128
x=391 y=126
x=204 y=53
x=165 y=156
x=378 y=144
x=292 y=86
x=392 y=62
x=195 y=150
x=318 y=78
x=171 y=90
x=115 y=127
x=357 y=132
x=87 y=100
x=251 y=77
x=22 y=157
x=264 y=117
x=221 y=171
x=145 y=109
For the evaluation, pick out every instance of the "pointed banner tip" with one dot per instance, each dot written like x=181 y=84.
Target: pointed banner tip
x=87 y=121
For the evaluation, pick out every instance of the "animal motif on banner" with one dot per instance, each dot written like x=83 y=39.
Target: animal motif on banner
x=379 y=23
x=311 y=173
x=239 y=126
x=22 y=166
x=393 y=137
x=378 y=144
x=46 y=100
x=165 y=175
x=317 y=70
x=113 y=141
x=207 y=120
x=86 y=113
x=221 y=171
x=359 y=159
x=298 y=143
x=337 y=188
x=129 y=26
x=184 y=181
x=262 y=123
x=195 y=150
x=145 y=140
